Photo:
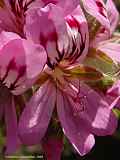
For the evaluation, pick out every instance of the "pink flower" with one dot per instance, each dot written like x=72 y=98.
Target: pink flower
x=12 y=15
x=105 y=43
x=18 y=71
x=81 y=110
x=106 y=30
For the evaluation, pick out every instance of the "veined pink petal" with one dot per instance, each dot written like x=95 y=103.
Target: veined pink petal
x=78 y=32
x=6 y=17
x=11 y=127
x=97 y=9
x=105 y=122
x=20 y=62
x=55 y=37
x=94 y=110
x=110 y=49
x=53 y=148
x=12 y=16
x=36 y=115
x=65 y=37
x=98 y=113
x=13 y=12
x=74 y=128
x=113 y=15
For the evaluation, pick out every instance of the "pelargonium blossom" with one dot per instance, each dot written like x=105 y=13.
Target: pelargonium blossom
x=81 y=110
x=12 y=15
x=102 y=41
x=18 y=71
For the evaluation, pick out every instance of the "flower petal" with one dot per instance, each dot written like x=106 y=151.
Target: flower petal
x=105 y=122
x=68 y=6
x=19 y=69
x=114 y=94
x=78 y=33
x=54 y=37
x=110 y=49
x=35 y=58
x=97 y=9
x=36 y=115
x=12 y=16
x=94 y=109
x=74 y=128
x=99 y=113
x=113 y=15
x=5 y=37
x=7 y=18
x=11 y=127
x=114 y=91
x=65 y=38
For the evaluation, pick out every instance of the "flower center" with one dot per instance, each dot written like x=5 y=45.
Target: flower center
x=58 y=76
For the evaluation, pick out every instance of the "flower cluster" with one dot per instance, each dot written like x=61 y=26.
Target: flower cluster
x=67 y=53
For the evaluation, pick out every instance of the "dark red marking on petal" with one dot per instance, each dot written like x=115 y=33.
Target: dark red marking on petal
x=73 y=23
x=11 y=66
x=50 y=35
x=101 y=8
x=21 y=72
x=102 y=30
x=18 y=8
x=50 y=1
x=75 y=53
